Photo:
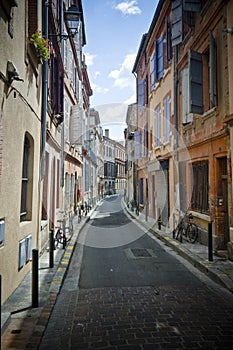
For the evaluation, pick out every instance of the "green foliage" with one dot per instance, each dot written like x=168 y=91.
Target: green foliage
x=41 y=44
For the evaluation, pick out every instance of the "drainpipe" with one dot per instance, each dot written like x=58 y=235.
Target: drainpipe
x=176 y=131
x=63 y=124
x=44 y=89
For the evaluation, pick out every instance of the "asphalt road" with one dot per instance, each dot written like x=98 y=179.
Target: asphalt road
x=126 y=290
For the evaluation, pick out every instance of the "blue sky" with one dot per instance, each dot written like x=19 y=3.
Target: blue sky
x=114 y=29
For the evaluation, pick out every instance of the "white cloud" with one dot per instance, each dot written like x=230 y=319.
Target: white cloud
x=128 y=8
x=96 y=74
x=123 y=76
x=131 y=100
x=98 y=89
x=89 y=59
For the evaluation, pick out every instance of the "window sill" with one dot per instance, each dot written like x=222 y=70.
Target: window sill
x=208 y=114
x=200 y=215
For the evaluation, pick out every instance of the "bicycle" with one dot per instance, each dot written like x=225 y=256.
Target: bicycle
x=60 y=237
x=186 y=228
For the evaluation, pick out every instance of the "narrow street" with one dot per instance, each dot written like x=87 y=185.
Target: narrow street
x=126 y=290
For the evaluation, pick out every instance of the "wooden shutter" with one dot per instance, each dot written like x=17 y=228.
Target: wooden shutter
x=159 y=58
x=212 y=70
x=195 y=83
x=140 y=92
x=167 y=46
x=192 y=5
x=141 y=201
x=152 y=71
x=177 y=22
x=137 y=144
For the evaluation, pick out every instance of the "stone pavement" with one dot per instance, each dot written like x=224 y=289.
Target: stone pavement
x=24 y=329
x=220 y=270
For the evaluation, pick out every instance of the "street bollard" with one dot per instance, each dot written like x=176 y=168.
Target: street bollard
x=51 y=247
x=35 y=277
x=159 y=223
x=64 y=233
x=210 y=242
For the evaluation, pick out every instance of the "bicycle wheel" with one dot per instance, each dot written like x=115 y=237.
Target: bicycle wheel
x=192 y=232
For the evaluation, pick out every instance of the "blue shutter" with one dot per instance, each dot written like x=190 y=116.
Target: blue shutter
x=137 y=144
x=152 y=71
x=140 y=93
x=177 y=22
x=141 y=201
x=159 y=58
x=195 y=83
x=192 y=5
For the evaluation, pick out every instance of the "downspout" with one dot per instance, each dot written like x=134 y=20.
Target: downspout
x=63 y=123
x=43 y=119
x=44 y=89
x=176 y=131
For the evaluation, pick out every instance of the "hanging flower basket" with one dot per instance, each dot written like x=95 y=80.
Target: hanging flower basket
x=41 y=44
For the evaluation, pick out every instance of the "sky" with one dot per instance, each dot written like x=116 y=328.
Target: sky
x=113 y=30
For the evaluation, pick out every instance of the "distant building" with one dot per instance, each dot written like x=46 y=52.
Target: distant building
x=120 y=180
x=109 y=164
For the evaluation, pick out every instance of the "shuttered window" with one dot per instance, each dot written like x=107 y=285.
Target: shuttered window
x=141 y=200
x=27 y=178
x=166 y=119
x=140 y=93
x=137 y=144
x=152 y=71
x=157 y=127
x=212 y=72
x=66 y=121
x=159 y=58
x=195 y=82
x=187 y=117
x=177 y=22
x=200 y=187
x=192 y=5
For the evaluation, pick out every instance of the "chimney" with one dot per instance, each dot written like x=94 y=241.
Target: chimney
x=106 y=132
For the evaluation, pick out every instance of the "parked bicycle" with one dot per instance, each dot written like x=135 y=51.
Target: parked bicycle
x=186 y=228
x=64 y=233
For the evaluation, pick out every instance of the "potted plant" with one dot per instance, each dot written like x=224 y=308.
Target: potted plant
x=41 y=44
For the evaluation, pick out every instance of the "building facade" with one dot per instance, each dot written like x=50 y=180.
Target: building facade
x=20 y=141
x=119 y=167
x=183 y=69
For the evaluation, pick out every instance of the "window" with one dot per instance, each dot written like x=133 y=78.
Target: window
x=67 y=191
x=65 y=54
x=209 y=75
x=2 y=232
x=141 y=200
x=137 y=144
x=66 y=121
x=200 y=187
x=166 y=118
x=157 y=63
x=26 y=190
x=152 y=71
x=159 y=58
x=157 y=127
x=140 y=93
x=71 y=68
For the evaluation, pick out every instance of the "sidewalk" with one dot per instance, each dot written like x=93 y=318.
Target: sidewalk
x=220 y=270
x=22 y=325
